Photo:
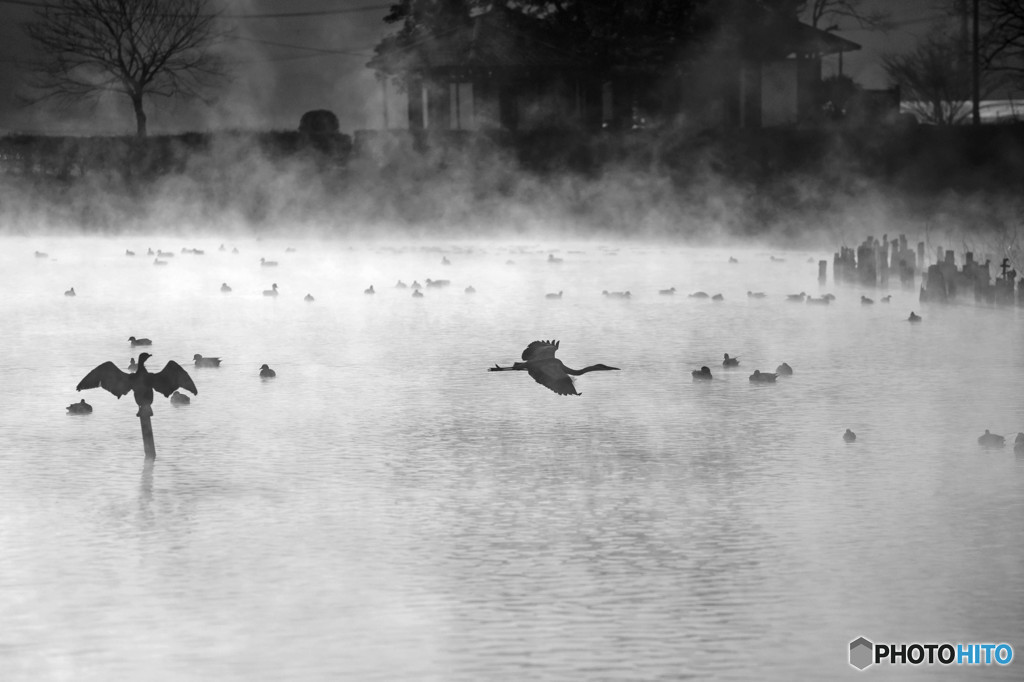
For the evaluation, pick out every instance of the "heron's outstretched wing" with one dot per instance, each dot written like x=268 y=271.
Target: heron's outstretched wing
x=107 y=376
x=172 y=377
x=552 y=375
x=540 y=350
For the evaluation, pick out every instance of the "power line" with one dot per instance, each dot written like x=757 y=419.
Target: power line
x=240 y=15
x=321 y=50
x=310 y=13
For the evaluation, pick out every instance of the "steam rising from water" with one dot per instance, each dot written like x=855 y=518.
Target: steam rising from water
x=385 y=493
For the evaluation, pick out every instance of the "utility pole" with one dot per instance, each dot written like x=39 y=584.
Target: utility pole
x=976 y=68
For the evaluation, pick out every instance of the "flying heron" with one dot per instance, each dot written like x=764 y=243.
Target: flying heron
x=540 y=361
x=142 y=383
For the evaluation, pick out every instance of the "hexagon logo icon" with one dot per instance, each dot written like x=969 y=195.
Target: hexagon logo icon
x=861 y=651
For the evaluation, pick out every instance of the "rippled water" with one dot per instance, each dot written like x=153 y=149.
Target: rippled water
x=386 y=509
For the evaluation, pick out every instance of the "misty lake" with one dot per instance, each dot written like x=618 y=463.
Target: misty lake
x=386 y=509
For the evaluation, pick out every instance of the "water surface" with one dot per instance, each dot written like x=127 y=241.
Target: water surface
x=386 y=509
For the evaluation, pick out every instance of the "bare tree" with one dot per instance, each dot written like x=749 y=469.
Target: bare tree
x=136 y=48
x=818 y=12
x=1003 y=44
x=932 y=83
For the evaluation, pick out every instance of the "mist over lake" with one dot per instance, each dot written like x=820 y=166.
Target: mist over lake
x=385 y=508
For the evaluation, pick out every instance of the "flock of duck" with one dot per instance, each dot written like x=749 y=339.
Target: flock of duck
x=142 y=383
x=538 y=358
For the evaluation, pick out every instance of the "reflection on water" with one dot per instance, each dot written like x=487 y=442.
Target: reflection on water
x=384 y=493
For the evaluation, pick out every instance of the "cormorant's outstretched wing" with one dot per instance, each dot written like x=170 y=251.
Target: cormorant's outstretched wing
x=540 y=350
x=552 y=375
x=172 y=377
x=107 y=376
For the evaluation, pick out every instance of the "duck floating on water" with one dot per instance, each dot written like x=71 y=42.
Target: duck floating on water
x=42 y=254
x=718 y=297
x=755 y=294
x=1018 y=444
x=200 y=361
x=797 y=298
x=759 y=377
x=702 y=374
x=416 y=293
x=849 y=436
x=81 y=407
x=308 y=298
x=157 y=261
x=552 y=259
x=179 y=398
x=540 y=361
x=470 y=289
x=401 y=285
x=864 y=300
x=416 y=285
x=266 y=372
x=268 y=263
x=139 y=342
x=141 y=384
x=616 y=294
x=272 y=291
x=70 y=292
x=784 y=370
x=558 y=295
x=730 y=362
x=667 y=292
x=132 y=365
x=129 y=252
x=886 y=298
x=733 y=260
x=225 y=288
x=991 y=440
x=699 y=294
x=914 y=317
x=369 y=290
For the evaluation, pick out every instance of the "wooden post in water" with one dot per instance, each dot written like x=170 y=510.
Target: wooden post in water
x=822 y=269
x=145 y=415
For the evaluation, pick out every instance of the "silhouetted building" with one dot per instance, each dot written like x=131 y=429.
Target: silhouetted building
x=508 y=70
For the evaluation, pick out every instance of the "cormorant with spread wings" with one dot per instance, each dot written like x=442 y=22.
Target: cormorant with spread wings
x=540 y=361
x=142 y=383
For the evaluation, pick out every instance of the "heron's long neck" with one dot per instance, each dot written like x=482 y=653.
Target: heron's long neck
x=578 y=372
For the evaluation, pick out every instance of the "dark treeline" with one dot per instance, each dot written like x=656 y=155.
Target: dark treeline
x=67 y=157
x=761 y=178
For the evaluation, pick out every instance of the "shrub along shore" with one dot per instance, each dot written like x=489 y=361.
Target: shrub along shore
x=745 y=182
